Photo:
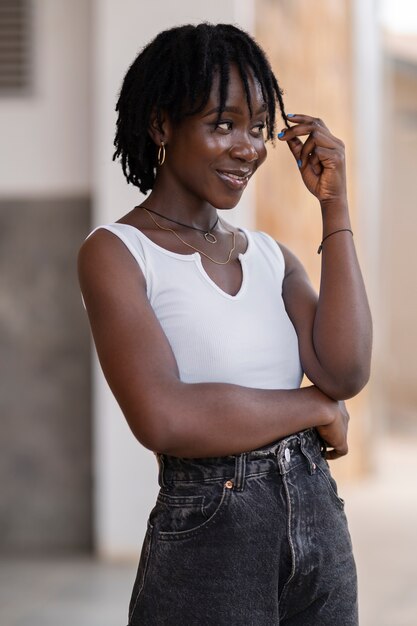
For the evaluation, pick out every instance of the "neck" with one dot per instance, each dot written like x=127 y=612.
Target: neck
x=176 y=206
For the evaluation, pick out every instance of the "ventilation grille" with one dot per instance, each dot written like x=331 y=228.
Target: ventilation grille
x=14 y=46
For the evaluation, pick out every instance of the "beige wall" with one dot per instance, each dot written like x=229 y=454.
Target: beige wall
x=312 y=55
x=397 y=369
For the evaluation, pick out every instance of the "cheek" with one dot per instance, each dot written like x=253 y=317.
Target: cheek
x=216 y=143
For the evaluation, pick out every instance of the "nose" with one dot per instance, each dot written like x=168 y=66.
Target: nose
x=244 y=150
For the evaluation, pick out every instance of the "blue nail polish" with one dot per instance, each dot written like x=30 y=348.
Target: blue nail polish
x=290 y=114
x=281 y=134
x=299 y=162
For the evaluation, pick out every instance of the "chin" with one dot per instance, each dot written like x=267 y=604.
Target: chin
x=226 y=204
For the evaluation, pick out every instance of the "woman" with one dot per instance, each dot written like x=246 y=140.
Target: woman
x=203 y=332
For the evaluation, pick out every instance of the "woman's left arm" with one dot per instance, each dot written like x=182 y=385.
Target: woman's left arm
x=335 y=328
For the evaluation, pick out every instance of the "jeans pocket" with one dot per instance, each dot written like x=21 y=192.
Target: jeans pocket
x=329 y=481
x=183 y=511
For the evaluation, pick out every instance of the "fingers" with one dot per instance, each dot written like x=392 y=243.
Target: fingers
x=300 y=117
x=329 y=157
x=322 y=134
x=319 y=137
x=336 y=453
x=309 y=155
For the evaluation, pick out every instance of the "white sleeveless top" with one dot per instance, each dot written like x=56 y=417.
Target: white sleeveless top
x=246 y=339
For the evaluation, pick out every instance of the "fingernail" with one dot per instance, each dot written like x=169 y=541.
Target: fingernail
x=281 y=134
x=290 y=114
x=299 y=162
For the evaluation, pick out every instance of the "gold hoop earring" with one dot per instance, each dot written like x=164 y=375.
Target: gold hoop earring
x=161 y=151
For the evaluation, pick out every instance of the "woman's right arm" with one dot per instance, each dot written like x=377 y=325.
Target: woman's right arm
x=165 y=414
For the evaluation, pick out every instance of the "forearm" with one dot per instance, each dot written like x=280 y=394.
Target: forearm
x=342 y=331
x=219 y=419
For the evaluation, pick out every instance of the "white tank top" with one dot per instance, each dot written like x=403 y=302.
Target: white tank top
x=246 y=339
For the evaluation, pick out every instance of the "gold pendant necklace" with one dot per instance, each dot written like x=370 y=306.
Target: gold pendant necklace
x=196 y=249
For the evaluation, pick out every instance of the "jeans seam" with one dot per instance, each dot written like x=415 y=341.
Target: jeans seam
x=290 y=540
x=145 y=569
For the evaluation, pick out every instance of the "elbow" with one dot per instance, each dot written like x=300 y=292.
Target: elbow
x=157 y=425
x=348 y=384
x=152 y=429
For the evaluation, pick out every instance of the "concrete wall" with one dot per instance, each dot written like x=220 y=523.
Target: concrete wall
x=45 y=380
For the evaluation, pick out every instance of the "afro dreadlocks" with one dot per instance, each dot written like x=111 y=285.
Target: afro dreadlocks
x=174 y=73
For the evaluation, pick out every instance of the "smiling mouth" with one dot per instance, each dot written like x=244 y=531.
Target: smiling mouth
x=234 y=181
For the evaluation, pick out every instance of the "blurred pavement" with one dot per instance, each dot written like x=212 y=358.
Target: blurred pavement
x=382 y=514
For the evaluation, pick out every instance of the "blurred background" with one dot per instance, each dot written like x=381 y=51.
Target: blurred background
x=76 y=487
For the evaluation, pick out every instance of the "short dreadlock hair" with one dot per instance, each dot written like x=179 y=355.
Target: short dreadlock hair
x=174 y=73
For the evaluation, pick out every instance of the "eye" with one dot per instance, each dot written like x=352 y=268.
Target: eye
x=223 y=124
x=260 y=128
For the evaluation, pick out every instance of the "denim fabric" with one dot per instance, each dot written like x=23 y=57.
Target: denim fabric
x=255 y=539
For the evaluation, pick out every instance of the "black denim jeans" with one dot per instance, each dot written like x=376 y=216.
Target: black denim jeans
x=255 y=539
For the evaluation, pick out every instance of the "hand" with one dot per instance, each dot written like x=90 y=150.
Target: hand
x=335 y=433
x=322 y=158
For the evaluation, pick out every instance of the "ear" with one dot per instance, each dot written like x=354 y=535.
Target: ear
x=159 y=127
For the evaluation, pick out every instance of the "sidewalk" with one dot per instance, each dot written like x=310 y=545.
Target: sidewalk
x=382 y=514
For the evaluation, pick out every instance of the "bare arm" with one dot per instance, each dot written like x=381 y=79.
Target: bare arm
x=335 y=329
x=165 y=414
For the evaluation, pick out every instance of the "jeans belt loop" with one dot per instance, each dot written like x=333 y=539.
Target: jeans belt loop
x=240 y=471
x=311 y=464
x=161 y=478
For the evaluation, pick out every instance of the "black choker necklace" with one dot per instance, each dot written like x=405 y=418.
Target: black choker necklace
x=208 y=235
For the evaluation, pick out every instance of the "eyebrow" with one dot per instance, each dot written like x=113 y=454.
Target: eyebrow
x=232 y=109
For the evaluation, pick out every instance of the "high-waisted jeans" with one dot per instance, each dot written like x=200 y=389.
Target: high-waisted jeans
x=254 y=539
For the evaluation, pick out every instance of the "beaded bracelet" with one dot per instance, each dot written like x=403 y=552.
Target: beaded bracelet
x=333 y=233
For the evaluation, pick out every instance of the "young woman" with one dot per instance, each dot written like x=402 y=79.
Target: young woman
x=204 y=330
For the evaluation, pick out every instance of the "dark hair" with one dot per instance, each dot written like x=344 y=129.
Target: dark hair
x=174 y=73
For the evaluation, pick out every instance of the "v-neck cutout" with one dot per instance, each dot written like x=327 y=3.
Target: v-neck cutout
x=196 y=257
x=242 y=256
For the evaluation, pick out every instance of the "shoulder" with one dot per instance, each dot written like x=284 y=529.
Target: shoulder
x=104 y=257
x=101 y=244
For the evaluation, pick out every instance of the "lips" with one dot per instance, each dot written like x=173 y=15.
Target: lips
x=236 y=180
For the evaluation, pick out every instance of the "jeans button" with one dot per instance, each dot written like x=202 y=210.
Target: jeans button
x=228 y=484
x=287 y=455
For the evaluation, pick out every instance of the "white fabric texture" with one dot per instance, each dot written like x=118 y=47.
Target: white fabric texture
x=246 y=339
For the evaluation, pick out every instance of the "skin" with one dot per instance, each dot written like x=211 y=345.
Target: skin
x=333 y=328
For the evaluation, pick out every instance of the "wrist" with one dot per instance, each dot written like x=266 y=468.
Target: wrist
x=324 y=406
x=339 y=204
x=335 y=216
x=335 y=213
